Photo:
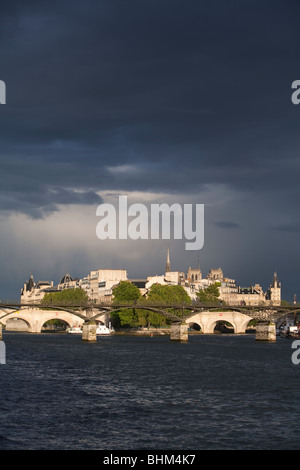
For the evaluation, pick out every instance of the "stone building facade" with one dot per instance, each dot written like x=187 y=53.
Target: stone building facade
x=97 y=284
x=32 y=292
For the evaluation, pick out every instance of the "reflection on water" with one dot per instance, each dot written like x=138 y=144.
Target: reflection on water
x=215 y=392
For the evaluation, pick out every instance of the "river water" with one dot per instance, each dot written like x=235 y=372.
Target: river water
x=128 y=392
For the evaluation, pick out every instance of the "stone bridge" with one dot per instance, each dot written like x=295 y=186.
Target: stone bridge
x=205 y=317
x=35 y=318
x=207 y=321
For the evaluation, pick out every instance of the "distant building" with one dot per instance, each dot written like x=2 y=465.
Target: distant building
x=230 y=293
x=274 y=292
x=215 y=274
x=252 y=295
x=99 y=284
x=236 y=295
x=155 y=280
x=193 y=275
x=67 y=282
x=32 y=293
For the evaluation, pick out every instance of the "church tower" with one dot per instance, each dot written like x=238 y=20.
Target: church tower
x=274 y=293
x=194 y=274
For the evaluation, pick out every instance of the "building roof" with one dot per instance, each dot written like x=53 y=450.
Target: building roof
x=51 y=289
x=30 y=283
x=66 y=278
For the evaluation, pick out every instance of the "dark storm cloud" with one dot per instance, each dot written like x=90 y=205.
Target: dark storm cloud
x=158 y=96
x=41 y=200
x=202 y=89
x=227 y=224
x=292 y=228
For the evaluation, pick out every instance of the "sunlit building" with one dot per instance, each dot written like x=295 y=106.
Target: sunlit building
x=32 y=293
x=99 y=284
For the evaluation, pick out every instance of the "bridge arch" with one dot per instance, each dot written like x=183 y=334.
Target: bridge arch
x=36 y=318
x=10 y=324
x=194 y=326
x=63 y=322
x=208 y=320
x=222 y=325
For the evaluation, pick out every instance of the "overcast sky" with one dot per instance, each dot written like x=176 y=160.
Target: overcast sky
x=162 y=101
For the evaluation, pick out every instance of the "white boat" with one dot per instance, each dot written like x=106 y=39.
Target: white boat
x=75 y=329
x=100 y=330
x=104 y=330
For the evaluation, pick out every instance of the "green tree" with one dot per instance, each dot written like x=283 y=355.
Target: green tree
x=127 y=293
x=66 y=297
x=210 y=294
x=167 y=295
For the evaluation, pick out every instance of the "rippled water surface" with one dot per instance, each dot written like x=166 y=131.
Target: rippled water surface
x=127 y=392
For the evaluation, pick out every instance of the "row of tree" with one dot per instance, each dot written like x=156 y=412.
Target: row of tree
x=128 y=293
x=125 y=292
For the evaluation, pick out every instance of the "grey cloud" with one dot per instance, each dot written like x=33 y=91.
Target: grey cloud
x=42 y=201
x=227 y=224
x=292 y=228
x=129 y=87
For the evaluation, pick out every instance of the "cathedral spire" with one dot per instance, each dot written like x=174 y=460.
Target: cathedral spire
x=168 y=267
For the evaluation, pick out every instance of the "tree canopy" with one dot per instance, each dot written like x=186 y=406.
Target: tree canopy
x=169 y=294
x=210 y=294
x=126 y=292
x=74 y=296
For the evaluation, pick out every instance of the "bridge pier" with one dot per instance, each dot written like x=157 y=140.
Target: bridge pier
x=89 y=331
x=179 y=332
x=265 y=332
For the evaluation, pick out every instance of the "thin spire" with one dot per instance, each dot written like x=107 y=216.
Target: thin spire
x=168 y=266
